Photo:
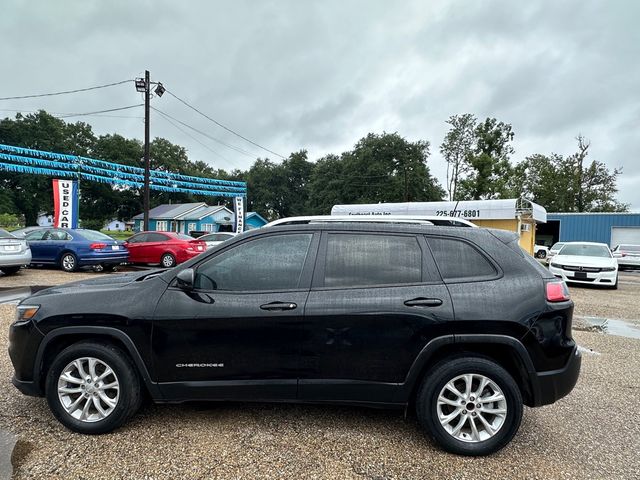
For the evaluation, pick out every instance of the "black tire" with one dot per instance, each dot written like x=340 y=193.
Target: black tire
x=10 y=270
x=443 y=373
x=68 y=262
x=129 y=395
x=541 y=254
x=167 y=260
x=615 y=285
x=109 y=267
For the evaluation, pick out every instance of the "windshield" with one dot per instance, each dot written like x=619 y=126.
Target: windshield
x=93 y=236
x=557 y=246
x=629 y=248
x=5 y=234
x=585 y=250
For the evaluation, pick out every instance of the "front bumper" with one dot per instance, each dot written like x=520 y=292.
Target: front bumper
x=592 y=278
x=553 y=385
x=15 y=259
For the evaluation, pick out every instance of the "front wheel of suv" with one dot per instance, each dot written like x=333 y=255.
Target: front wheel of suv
x=469 y=406
x=92 y=387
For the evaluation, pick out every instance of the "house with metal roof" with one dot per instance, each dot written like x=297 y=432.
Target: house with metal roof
x=190 y=217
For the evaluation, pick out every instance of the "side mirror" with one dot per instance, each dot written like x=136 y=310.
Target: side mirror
x=186 y=279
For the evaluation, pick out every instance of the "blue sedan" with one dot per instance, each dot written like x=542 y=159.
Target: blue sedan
x=73 y=248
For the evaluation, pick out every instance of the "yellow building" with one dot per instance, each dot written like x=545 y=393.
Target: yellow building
x=514 y=214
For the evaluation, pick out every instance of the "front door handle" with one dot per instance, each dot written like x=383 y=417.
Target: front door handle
x=278 y=306
x=423 y=302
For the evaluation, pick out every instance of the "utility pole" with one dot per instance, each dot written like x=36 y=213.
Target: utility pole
x=147 y=166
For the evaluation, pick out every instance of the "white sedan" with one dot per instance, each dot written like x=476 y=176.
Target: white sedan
x=213 y=239
x=587 y=263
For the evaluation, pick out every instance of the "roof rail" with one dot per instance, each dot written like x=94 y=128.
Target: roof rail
x=410 y=219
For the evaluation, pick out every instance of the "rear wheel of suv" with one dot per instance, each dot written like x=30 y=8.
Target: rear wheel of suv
x=469 y=405
x=92 y=387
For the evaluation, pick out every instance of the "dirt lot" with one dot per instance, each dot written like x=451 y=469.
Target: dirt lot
x=592 y=433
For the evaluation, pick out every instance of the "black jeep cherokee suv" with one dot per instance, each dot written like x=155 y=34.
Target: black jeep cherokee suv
x=456 y=322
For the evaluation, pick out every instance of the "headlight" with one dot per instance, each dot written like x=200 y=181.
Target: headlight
x=24 y=313
x=609 y=269
x=555 y=265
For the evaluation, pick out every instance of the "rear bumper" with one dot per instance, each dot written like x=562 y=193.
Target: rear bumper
x=553 y=385
x=99 y=258
x=629 y=262
x=15 y=260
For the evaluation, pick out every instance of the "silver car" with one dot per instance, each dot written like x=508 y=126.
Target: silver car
x=213 y=239
x=628 y=256
x=14 y=252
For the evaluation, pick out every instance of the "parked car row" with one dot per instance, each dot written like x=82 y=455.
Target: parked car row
x=71 y=249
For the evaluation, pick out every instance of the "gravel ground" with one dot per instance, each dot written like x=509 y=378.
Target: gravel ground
x=589 y=434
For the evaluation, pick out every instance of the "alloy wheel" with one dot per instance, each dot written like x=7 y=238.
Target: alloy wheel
x=471 y=408
x=88 y=389
x=68 y=262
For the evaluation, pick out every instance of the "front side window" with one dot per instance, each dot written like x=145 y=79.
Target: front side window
x=457 y=260
x=156 y=237
x=355 y=260
x=140 y=238
x=264 y=264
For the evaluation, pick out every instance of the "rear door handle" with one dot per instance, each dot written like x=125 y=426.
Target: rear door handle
x=423 y=302
x=278 y=306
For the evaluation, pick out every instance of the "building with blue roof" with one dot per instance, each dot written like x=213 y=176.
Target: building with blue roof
x=190 y=217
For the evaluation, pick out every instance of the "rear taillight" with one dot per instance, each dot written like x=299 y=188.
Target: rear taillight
x=557 y=292
x=97 y=246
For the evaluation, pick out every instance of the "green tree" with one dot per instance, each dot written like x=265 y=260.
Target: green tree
x=570 y=184
x=457 y=150
x=489 y=168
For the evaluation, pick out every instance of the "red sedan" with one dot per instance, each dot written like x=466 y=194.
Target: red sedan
x=166 y=248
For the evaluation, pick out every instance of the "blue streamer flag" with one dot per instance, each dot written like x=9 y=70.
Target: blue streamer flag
x=39 y=162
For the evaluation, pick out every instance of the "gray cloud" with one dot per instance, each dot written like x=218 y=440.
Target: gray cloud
x=321 y=74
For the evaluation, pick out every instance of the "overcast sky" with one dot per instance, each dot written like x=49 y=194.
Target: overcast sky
x=320 y=75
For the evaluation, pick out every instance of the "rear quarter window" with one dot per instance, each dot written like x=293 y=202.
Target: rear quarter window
x=458 y=260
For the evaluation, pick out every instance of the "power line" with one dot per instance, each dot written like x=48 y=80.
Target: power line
x=101 y=111
x=221 y=125
x=168 y=120
x=66 y=91
x=57 y=114
x=228 y=145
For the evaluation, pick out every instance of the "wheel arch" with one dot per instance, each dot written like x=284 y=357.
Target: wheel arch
x=506 y=351
x=59 y=339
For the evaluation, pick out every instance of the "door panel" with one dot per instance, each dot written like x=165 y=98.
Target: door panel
x=237 y=333
x=359 y=342
x=366 y=335
x=209 y=338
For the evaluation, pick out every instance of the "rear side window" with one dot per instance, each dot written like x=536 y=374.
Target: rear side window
x=365 y=260
x=458 y=260
x=36 y=235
